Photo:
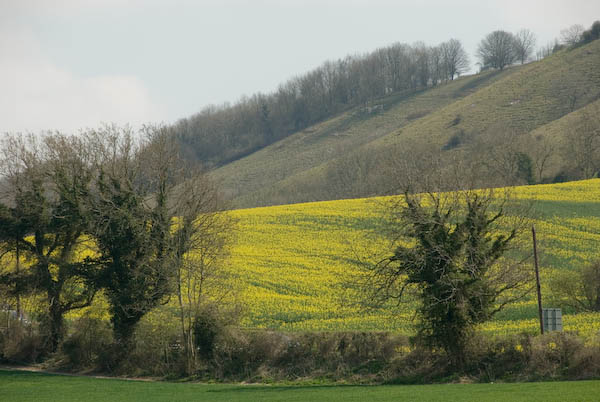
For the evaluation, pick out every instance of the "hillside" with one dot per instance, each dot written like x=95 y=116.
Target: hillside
x=557 y=132
x=346 y=156
x=298 y=262
x=342 y=134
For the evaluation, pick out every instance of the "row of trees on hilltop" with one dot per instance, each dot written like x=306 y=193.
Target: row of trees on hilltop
x=501 y=48
x=219 y=134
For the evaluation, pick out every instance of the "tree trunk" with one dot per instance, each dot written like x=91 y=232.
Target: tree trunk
x=185 y=332
x=18 y=271
x=55 y=321
x=124 y=324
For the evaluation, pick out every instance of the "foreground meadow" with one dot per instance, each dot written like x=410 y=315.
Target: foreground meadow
x=17 y=386
x=297 y=264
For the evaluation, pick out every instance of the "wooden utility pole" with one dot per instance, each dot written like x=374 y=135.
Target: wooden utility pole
x=537 y=280
x=18 y=269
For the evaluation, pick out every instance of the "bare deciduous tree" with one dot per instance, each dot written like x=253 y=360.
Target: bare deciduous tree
x=572 y=35
x=454 y=58
x=501 y=152
x=496 y=50
x=524 y=45
x=580 y=290
x=546 y=50
x=202 y=236
x=582 y=146
x=542 y=151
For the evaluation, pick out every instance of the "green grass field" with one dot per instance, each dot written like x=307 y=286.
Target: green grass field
x=17 y=386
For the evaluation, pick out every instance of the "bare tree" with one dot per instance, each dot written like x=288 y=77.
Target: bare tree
x=542 y=151
x=582 y=146
x=454 y=58
x=502 y=153
x=546 y=50
x=572 y=35
x=438 y=71
x=524 y=45
x=202 y=236
x=421 y=56
x=580 y=290
x=496 y=50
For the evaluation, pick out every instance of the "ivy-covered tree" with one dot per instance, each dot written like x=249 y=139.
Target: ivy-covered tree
x=129 y=228
x=42 y=223
x=144 y=211
x=449 y=255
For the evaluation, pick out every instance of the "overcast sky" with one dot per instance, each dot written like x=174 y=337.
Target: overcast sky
x=71 y=64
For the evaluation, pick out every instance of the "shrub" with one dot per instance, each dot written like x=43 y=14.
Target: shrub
x=207 y=328
x=417 y=115
x=21 y=344
x=88 y=344
x=158 y=348
x=455 y=122
x=455 y=141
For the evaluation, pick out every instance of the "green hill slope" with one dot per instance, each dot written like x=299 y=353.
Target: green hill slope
x=557 y=133
x=346 y=156
x=535 y=95
x=246 y=179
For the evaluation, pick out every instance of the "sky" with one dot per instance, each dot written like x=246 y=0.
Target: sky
x=74 y=64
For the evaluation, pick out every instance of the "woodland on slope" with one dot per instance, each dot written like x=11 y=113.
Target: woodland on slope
x=343 y=129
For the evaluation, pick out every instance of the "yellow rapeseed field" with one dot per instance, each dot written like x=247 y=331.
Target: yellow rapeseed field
x=298 y=264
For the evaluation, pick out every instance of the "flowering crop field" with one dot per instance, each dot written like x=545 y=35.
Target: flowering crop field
x=298 y=264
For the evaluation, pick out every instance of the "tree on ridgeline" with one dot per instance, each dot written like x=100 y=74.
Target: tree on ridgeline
x=591 y=34
x=524 y=45
x=572 y=35
x=220 y=134
x=496 y=50
x=454 y=58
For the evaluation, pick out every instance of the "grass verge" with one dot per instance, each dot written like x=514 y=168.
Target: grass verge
x=29 y=386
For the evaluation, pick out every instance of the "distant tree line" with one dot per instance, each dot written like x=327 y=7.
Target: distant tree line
x=500 y=49
x=220 y=134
